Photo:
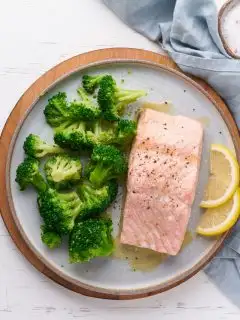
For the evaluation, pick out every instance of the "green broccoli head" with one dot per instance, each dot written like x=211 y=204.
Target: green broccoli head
x=89 y=239
x=84 y=109
x=35 y=147
x=110 y=164
x=63 y=132
x=100 y=135
x=125 y=132
x=28 y=174
x=56 y=111
x=84 y=95
x=90 y=83
x=63 y=171
x=71 y=135
x=88 y=168
x=96 y=201
x=113 y=100
x=59 y=210
x=50 y=238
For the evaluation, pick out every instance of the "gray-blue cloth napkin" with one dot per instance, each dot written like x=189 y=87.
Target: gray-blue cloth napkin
x=188 y=31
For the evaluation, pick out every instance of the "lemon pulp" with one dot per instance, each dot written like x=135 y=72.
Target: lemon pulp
x=224 y=177
x=215 y=221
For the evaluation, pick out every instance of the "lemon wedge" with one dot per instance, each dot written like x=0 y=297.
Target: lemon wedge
x=224 y=177
x=215 y=221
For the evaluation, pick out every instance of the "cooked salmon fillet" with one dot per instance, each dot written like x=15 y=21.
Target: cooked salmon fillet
x=162 y=177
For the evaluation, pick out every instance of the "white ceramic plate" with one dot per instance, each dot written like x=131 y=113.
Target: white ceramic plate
x=111 y=275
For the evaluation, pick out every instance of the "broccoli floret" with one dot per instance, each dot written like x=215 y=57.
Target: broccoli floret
x=90 y=83
x=88 y=168
x=50 y=238
x=84 y=109
x=89 y=239
x=125 y=132
x=28 y=174
x=71 y=135
x=56 y=111
x=100 y=135
x=120 y=134
x=95 y=201
x=59 y=210
x=109 y=162
x=35 y=147
x=113 y=100
x=83 y=136
x=63 y=171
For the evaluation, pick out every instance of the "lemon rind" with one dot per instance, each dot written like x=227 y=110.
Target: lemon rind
x=235 y=181
x=228 y=223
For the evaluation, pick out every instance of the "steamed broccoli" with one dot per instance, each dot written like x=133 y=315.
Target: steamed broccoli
x=89 y=239
x=59 y=210
x=35 y=147
x=88 y=168
x=71 y=135
x=83 y=135
x=113 y=100
x=90 y=83
x=50 y=238
x=109 y=162
x=99 y=135
x=95 y=201
x=84 y=109
x=28 y=174
x=125 y=132
x=63 y=171
x=57 y=111
x=120 y=134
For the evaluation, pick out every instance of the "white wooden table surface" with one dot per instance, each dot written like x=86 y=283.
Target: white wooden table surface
x=34 y=36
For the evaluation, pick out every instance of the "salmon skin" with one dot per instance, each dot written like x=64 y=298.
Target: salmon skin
x=162 y=178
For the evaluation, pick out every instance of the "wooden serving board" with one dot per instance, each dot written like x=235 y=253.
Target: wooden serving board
x=18 y=115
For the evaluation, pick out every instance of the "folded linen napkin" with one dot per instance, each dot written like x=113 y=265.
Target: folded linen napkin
x=188 y=31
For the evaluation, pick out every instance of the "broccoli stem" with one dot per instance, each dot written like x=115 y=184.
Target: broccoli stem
x=53 y=149
x=129 y=95
x=68 y=196
x=76 y=209
x=82 y=93
x=39 y=183
x=97 y=129
x=82 y=126
x=46 y=149
x=86 y=191
x=100 y=174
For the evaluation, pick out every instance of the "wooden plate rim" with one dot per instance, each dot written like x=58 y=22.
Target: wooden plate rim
x=12 y=128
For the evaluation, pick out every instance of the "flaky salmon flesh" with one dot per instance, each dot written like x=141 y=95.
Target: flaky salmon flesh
x=162 y=178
